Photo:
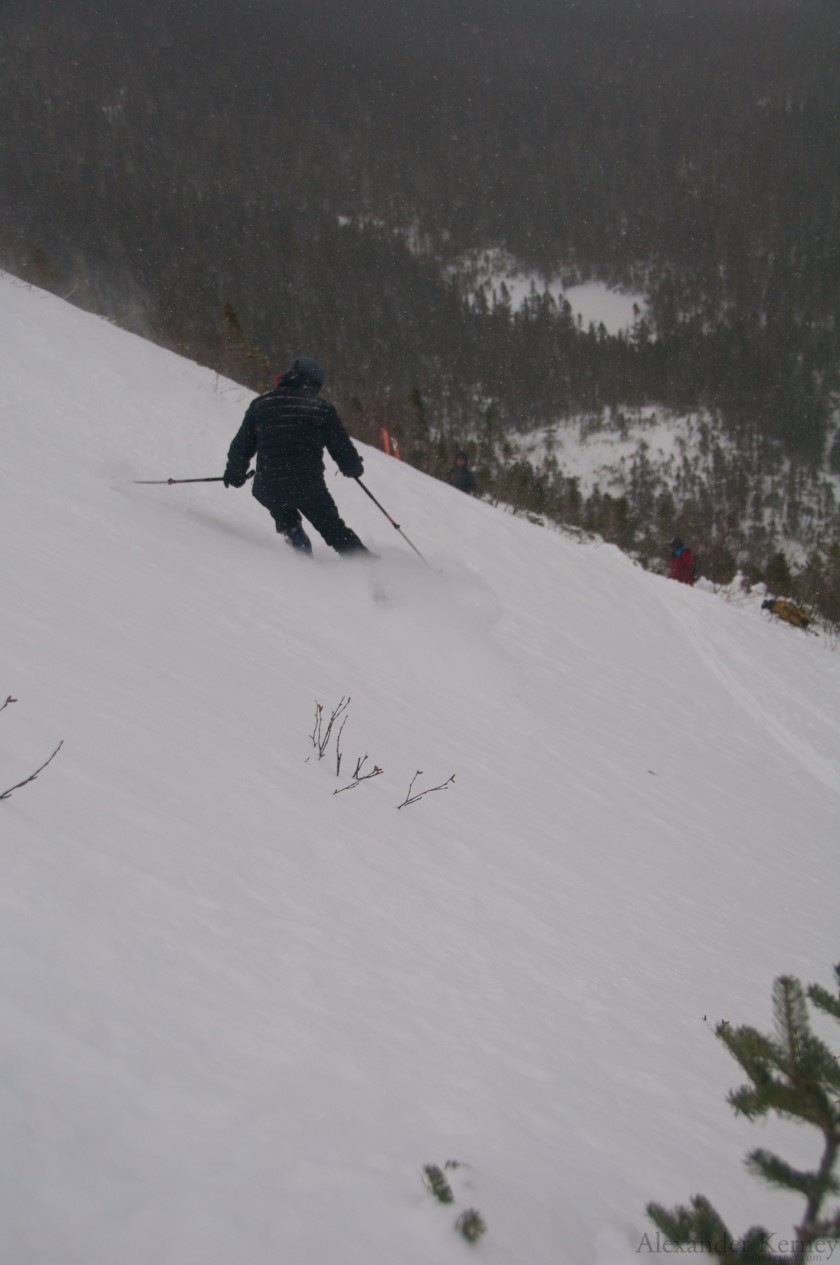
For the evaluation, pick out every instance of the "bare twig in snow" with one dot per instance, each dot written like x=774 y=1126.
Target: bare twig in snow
x=321 y=737
x=359 y=766
x=412 y=799
x=358 y=776
x=32 y=776
x=8 y=700
x=338 y=748
x=316 y=732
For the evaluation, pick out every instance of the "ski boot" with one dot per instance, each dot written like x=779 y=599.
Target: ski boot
x=298 y=539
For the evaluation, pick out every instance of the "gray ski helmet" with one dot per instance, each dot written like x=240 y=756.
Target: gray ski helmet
x=305 y=367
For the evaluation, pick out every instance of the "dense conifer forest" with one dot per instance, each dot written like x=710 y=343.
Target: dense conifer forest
x=243 y=181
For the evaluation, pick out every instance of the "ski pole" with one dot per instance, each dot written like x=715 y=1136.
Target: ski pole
x=214 y=478
x=391 y=521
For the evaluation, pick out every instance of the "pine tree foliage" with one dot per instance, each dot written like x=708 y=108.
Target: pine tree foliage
x=823 y=999
x=471 y=1225
x=437 y=1184
x=794 y=1075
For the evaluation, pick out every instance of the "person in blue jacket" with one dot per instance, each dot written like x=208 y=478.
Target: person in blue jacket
x=461 y=476
x=287 y=429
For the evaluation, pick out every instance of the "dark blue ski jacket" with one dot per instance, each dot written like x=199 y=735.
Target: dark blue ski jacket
x=288 y=429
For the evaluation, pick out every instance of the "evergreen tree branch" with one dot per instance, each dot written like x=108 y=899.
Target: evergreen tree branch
x=778 y=1172
x=795 y=1076
x=438 y=1184
x=807 y=1231
x=471 y=1225
x=791 y=1021
x=710 y=1228
x=788 y=1076
x=699 y=1226
x=823 y=999
x=676 y=1224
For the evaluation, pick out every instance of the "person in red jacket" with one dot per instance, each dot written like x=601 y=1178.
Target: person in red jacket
x=682 y=562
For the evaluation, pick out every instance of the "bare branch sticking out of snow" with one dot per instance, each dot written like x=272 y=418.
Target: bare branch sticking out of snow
x=412 y=799
x=32 y=776
x=40 y=769
x=358 y=776
x=320 y=736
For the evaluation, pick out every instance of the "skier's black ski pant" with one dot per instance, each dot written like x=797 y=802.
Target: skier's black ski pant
x=320 y=509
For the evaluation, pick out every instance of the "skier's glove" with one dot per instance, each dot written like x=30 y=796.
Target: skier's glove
x=355 y=469
x=234 y=480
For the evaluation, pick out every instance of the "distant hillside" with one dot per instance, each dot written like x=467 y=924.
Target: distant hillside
x=684 y=473
x=240 y=181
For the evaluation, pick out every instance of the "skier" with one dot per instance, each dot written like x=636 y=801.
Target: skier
x=682 y=562
x=288 y=429
x=460 y=475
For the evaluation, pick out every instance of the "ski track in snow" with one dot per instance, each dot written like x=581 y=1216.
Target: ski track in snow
x=748 y=680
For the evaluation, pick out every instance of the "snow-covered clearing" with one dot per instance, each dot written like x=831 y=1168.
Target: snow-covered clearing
x=592 y=302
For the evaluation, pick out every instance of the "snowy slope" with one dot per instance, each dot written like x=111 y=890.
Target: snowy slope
x=240 y=1012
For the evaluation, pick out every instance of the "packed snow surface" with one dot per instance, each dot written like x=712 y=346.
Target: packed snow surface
x=241 y=1011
